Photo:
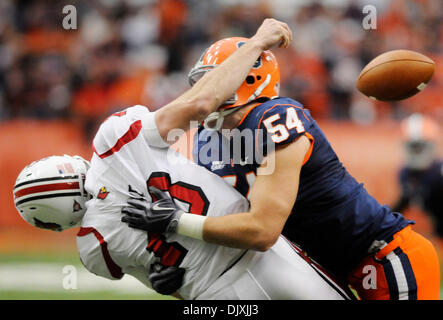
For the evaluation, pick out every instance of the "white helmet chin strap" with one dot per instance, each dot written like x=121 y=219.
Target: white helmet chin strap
x=218 y=117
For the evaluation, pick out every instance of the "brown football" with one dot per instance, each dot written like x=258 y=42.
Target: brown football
x=395 y=75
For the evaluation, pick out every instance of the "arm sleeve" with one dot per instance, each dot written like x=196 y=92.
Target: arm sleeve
x=280 y=125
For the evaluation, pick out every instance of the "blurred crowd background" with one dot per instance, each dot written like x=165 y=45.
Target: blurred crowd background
x=127 y=52
x=57 y=85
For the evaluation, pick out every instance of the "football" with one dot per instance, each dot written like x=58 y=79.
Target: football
x=395 y=75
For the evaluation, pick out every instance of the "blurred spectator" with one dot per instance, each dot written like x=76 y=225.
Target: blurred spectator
x=421 y=177
x=127 y=52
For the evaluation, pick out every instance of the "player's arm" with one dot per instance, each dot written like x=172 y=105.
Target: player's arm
x=272 y=198
x=219 y=84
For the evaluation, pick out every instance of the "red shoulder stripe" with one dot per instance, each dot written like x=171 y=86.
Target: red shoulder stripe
x=113 y=268
x=130 y=135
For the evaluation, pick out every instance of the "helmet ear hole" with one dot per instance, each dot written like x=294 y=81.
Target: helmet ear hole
x=250 y=80
x=262 y=78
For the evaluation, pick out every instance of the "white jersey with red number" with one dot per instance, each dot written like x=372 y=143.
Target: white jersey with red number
x=123 y=159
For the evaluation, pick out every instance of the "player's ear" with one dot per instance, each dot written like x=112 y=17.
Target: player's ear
x=159 y=194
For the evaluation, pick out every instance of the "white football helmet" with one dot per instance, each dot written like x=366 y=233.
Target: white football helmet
x=49 y=193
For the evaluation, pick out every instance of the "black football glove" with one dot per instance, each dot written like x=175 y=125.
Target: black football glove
x=160 y=216
x=166 y=280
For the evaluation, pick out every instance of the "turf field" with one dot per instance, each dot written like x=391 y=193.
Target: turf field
x=41 y=277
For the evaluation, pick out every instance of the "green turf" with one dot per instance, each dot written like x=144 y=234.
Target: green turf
x=63 y=258
x=71 y=258
x=73 y=295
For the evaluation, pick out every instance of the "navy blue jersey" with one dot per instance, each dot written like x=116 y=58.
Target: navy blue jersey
x=334 y=219
x=425 y=189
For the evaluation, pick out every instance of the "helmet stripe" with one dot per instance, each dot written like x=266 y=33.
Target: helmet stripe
x=46 y=187
x=52 y=195
x=45 y=179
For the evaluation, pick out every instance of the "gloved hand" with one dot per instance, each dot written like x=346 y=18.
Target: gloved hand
x=165 y=280
x=160 y=217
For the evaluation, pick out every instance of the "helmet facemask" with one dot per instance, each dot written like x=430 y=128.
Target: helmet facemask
x=262 y=81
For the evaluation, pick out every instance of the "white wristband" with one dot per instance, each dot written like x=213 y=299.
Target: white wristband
x=191 y=225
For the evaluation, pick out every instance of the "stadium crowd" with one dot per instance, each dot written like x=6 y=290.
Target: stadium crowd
x=126 y=52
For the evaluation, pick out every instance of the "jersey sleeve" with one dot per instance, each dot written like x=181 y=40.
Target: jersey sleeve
x=123 y=127
x=95 y=255
x=279 y=125
x=121 y=151
x=109 y=248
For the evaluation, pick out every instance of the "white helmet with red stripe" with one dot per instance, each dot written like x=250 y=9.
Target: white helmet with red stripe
x=50 y=193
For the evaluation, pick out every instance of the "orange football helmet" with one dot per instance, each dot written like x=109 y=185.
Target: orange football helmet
x=262 y=81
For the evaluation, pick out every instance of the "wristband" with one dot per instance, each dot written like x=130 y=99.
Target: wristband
x=191 y=225
x=151 y=133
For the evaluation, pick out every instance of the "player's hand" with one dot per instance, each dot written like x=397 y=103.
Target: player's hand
x=166 y=280
x=161 y=216
x=271 y=33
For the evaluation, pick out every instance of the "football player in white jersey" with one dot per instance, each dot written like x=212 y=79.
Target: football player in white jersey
x=130 y=161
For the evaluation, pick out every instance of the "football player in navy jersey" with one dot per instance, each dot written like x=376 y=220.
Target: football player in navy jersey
x=273 y=152
x=421 y=176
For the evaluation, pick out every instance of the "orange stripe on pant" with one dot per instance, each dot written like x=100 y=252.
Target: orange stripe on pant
x=374 y=278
